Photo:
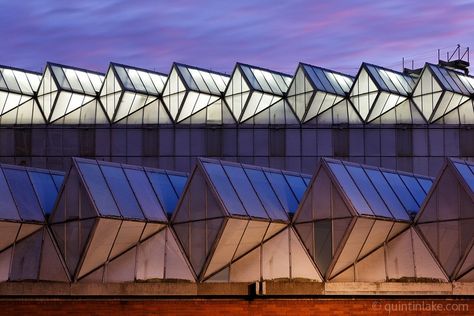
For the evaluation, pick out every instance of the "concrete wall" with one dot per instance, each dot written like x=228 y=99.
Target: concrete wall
x=418 y=149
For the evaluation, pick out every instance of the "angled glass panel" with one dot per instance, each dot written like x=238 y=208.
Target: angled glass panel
x=221 y=81
x=367 y=189
x=450 y=80
x=188 y=78
x=387 y=194
x=122 y=192
x=7 y=205
x=350 y=188
x=24 y=194
x=466 y=173
x=388 y=82
x=199 y=80
x=123 y=76
x=251 y=78
x=314 y=78
x=58 y=180
x=73 y=79
x=85 y=82
x=136 y=81
x=244 y=189
x=334 y=83
x=148 y=83
x=98 y=188
x=210 y=83
x=272 y=82
x=178 y=183
x=45 y=190
x=307 y=180
x=164 y=189
x=402 y=192
x=444 y=83
x=283 y=191
x=10 y=80
x=266 y=194
x=224 y=188
x=297 y=184
x=22 y=82
x=145 y=194
x=425 y=184
x=415 y=188
x=61 y=77
x=96 y=80
x=324 y=80
x=262 y=82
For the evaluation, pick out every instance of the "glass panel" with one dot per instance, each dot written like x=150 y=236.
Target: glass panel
x=350 y=188
x=323 y=243
x=314 y=78
x=188 y=78
x=283 y=191
x=224 y=188
x=324 y=80
x=145 y=194
x=85 y=82
x=334 y=82
x=374 y=72
x=244 y=189
x=147 y=82
x=45 y=190
x=73 y=80
x=466 y=173
x=23 y=194
x=96 y=81
x=402 y=192
x=297 y=185
x=137 y=83
x=267 y=195
x=10 y=80
x=251 y=78
x=98 y=188
x=415 y=188
x=61 y=78
x=127 y=83
x=425 y=184
x=368 y=190
x=163 y=188
x=178 y=183
x=307 y=180
x=261 y=80
x=58 y=180
x=196 y=74
x=387 y=194
x=7 y=205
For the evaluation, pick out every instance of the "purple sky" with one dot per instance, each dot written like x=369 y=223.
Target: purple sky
x=216 y=33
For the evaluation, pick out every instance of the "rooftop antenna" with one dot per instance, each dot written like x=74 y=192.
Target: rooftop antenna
x=457 y=60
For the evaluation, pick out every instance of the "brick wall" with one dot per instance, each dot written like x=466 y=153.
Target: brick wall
x=227 y=307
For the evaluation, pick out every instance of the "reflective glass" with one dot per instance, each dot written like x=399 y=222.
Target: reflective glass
x=267 y=195
x=350 y=188
x=196 y=74
x=23 y=194
x=251 y=78
x=60 y=77
x=367 y=189
x=334 y=83
x=164 y=189
x=425 y=184
x=415 y=188
x=307 y=180
x=136 y=81
x=127 y=83
x=245 y=191
x=98 y=188
x=45 y=190
x=73 y=80
x=466 y=173
x=224 y=188
x=401 y=191
x=58 y=180
x=387 y=194
x=188 y=79
x=178 y=183
x=283 y=191
x=7 y=205
x=324 y=80
x=85 y=82
x=297 y=184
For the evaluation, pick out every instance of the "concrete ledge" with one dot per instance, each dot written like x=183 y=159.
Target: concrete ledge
x=268 y=288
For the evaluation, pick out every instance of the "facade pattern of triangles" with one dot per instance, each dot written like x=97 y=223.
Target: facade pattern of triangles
x=228 y=209
x=349 y=210
x=447 y=218
x=105 y=209
x=195 y=96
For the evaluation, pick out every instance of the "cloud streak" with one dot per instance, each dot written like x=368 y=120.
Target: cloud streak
x=215 y=34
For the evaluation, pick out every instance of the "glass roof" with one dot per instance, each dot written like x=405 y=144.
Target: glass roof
x=140 y=80
x=329 y=81
x=27 y=193
x=466 y=169
x=77 y=80
x=204 y=81
x=391 y=81
x=256 y=192
x=131 y=192
x=266 y=80
x=453 y=80
x=20 y=81
x=379 y=192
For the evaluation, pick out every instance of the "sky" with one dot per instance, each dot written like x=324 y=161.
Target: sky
x=215 y=34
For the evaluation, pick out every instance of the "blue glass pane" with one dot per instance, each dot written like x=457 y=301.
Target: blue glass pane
x=267 y=195
x=369 y=192
x=425 y=184
x=387 y=194
x=415 y=188
x=164 y=189
x=350 y=188
x=224 y=188
x=297 y=185
x=122 y=192
x=307 y=181
x=178 y=183
x=24 y=194
x=99 y=190
x=283 y=191
x=314 y=78
x=466 y=173
x=58 y=180
x=402 y=192
x=245 y=191
x=45 y=190
x=8 y=209
x=145 y=194
x=251 y=78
